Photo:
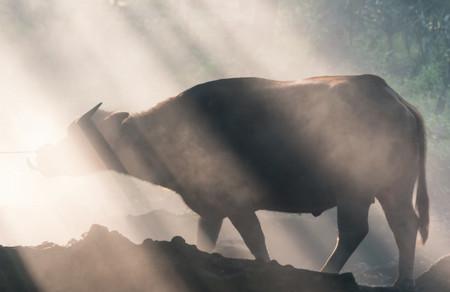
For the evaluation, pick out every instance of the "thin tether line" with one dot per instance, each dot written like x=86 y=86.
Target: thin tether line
x=17 y=152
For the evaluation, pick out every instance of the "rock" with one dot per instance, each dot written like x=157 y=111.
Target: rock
x=437 y=278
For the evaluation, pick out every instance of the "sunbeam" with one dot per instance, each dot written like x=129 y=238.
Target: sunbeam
x=60 y=58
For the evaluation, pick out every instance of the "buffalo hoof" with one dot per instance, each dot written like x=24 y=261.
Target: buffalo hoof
x=405 y=285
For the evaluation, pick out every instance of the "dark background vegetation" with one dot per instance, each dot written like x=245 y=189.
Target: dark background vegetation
x=407 y=42
x=134 y=53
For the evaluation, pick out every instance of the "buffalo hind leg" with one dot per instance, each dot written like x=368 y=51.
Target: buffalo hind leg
x=352 y=228
x=403 y=221
x=208 y=232
x=248 y=226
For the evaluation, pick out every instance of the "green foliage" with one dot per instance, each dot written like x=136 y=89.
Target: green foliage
x=406 y=42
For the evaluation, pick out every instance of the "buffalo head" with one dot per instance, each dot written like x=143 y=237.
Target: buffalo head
x=86 y=147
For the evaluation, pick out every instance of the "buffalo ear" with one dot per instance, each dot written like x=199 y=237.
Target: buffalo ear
x=117 y=118
x=111 y=126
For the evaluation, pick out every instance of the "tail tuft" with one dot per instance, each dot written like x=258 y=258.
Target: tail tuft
x=422 y=199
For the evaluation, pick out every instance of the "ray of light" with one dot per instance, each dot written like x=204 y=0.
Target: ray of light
x=131 y=57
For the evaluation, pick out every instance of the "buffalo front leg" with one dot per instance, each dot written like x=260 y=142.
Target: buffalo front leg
x=248 y=226
x=352 y=228
x=208 y=232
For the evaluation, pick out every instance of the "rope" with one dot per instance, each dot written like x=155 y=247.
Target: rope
x=17 y=152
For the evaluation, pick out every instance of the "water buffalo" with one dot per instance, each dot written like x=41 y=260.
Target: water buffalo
x=231 y=147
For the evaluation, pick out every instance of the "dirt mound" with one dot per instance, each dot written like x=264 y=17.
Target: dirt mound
x=107 y=261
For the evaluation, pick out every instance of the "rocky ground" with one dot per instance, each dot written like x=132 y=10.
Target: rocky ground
x=303 y=241
x=107 y=261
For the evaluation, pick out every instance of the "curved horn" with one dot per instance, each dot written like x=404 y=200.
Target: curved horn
x=90 y=113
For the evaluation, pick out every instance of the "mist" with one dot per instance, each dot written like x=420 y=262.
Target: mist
x=60 y=58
